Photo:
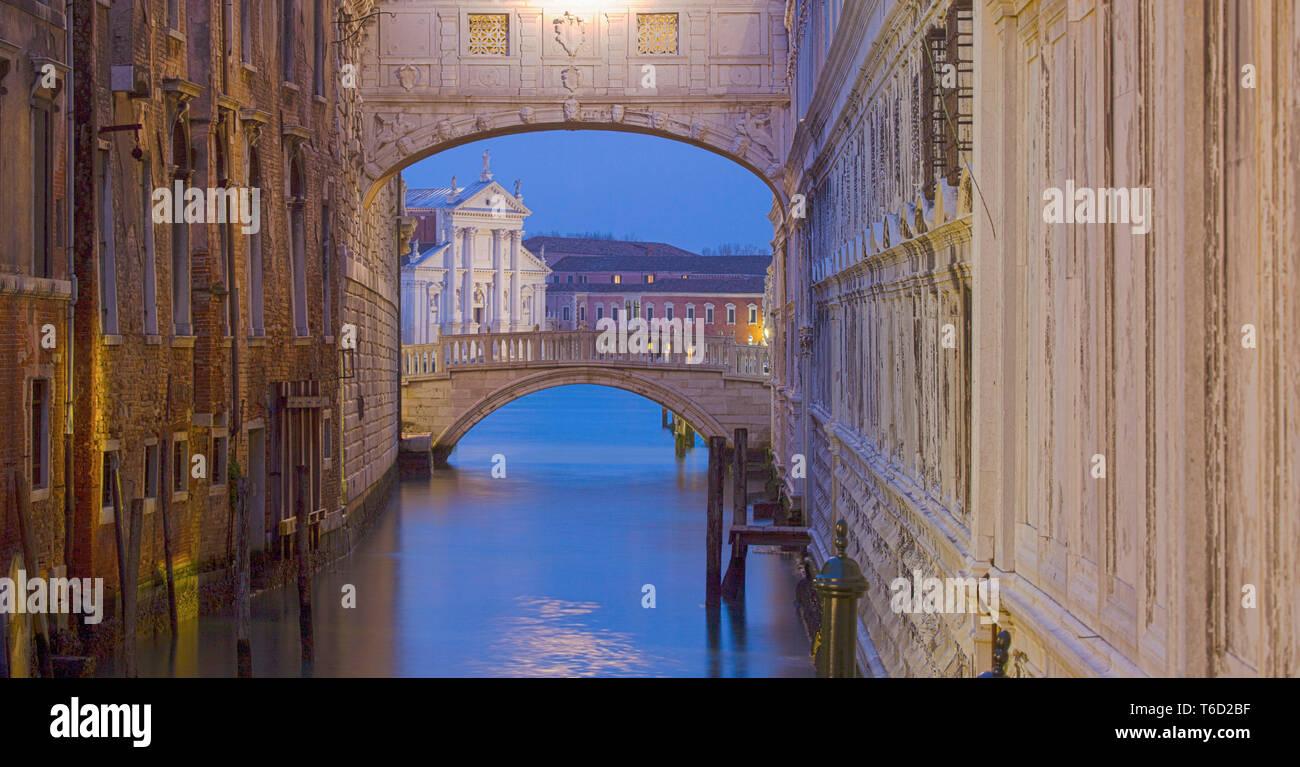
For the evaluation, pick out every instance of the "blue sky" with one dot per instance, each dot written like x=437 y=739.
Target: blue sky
x=627 y=184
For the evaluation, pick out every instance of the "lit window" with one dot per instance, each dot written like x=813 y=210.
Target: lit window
x=618 y=279
x=219 y=461
x=656 y=34
x=649 y=278
x=151 y=471
x=489 y=34
x=106 y=481
x=180 y=466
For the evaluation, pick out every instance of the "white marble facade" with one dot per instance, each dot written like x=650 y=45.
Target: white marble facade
x=476 y=276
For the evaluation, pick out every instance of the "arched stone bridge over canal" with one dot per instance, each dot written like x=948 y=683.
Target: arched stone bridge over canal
x=449 y=386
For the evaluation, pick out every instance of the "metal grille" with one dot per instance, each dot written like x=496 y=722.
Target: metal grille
x=656 y=33
x=951 y=108
x=489 y=34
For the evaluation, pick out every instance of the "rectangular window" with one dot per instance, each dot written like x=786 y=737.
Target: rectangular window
x=731 y=315
x=753 y=314
x=106 y=481
x=668 y=312
x=600 y=312
x=218 y=460
x=327 y=442
x=297 y=234
x=246 y=30
x=42 y=194
x=151 y=468
x=649 y=278
x=40 y=421
x=649 y=312
x=582 y=313
x=327 y=246
x=489 y=34
x=656 y=34
x=288 y=34
x=318 y=72
x=107 y=250
x=566 y=313
x=174 y=14
x=570 y=278
x=690 y=312
x=180 y=466
x=618 y=278
x=146 y=230
x=708 y=315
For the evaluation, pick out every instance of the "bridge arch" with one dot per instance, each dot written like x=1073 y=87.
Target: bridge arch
x=394 y=156
x=664 y=394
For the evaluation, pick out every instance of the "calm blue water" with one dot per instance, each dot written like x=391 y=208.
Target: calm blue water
x=538 y=573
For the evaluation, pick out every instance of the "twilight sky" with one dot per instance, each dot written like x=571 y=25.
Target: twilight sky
x=630 y=185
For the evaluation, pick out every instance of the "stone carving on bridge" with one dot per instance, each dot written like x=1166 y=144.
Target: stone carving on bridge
x=757 y=128
x=527 y=115
x=616 y=113
x=408 y=76
x=570 y=34
x=571 y=108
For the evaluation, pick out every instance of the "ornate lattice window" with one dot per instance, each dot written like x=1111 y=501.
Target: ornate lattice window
x=656 y=33
x=489 y=34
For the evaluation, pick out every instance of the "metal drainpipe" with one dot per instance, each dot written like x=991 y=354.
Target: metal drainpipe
x=69 y=239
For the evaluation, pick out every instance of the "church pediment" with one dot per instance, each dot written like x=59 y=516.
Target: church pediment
x=492 y=197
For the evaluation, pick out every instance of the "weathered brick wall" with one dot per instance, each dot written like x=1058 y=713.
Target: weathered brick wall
x=122 y=378
x=28 y=303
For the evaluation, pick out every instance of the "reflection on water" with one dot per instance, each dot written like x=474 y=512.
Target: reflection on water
x=539 y=573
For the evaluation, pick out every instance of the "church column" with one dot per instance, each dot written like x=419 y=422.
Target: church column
x=516 y=259
x=450 y=306
x=467 y=287
x=499 y=259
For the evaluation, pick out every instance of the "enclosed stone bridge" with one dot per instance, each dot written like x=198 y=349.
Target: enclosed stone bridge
x=449 y=386
x=434 y=75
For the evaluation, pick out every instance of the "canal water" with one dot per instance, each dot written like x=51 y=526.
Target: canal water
x=542 y=572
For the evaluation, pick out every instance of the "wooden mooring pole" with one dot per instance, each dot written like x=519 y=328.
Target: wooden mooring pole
x=164 y=507
x=125 y=584
x=31 y=562
x=243 y=610
x=304 y=572
x=739 y=489
x=713 y=531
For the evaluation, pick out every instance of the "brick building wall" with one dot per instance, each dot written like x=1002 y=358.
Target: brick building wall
x=266 y=116
x=35 y=290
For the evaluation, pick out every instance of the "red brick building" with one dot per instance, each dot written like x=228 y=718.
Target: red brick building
x=593 y=278
x=36 y=292
x=208 y=350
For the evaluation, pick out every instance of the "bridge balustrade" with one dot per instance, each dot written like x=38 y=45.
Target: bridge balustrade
x=573 y=346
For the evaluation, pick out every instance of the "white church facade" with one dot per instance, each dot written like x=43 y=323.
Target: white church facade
x=468 y=270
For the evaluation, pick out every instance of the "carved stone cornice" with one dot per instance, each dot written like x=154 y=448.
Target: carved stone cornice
x=43 y=92
x=254 y=120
